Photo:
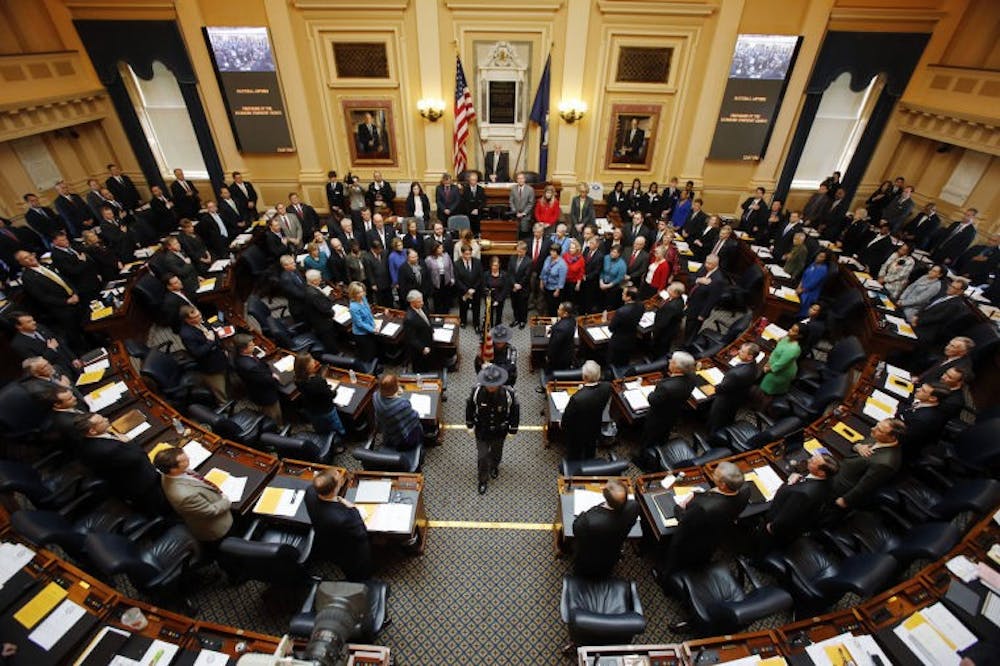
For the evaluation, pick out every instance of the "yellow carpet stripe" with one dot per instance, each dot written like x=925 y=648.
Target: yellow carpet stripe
x=476 y=525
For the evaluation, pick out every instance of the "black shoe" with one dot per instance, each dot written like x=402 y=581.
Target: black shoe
x=479 y=331
x=522 y=325
x=482 y=487
x=680 y=627
x=569 y=649
x=495 y=472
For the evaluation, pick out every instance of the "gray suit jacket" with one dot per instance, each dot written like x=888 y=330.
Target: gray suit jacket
x=523 y=202
x=294 y=230
x=204 y=511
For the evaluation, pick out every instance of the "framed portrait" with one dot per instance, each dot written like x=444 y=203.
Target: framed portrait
x=371 y=132
x=631 y=135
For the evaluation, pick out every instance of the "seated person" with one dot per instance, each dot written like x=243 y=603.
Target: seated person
x=398 y=422
x=794 y=507
x=601 y=531
x=341 y=534
x=874 y=462
x=124 y=465
x=204 y=509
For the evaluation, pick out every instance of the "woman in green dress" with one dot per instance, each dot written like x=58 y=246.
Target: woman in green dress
x=780 y=369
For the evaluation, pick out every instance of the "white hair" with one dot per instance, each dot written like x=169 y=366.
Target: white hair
x=313 y=274
x=591 y=371
x=414 y=295
x=684 y=362
x=730 y=475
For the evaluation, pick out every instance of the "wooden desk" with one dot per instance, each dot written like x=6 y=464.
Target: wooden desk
x=230 y=640
x=406 y=489
x=114 y=383
x=658 y=655
x=657 y=503
x=553 y=415
x=562 y=529
x=620 y=404
x=432 y=388
x=499 y=230
x=359 y=407
x=594 y=333
x=242 y=461
x=895 y=605
x=749 y=462
x=720 y=649
x=28 y=576
x=538 y=328
x=877 y=332
x=384 y=318
x=794 y=638
x=294 y=475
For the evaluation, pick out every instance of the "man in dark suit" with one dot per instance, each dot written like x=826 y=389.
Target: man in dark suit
x=245 y=196
x=377 y=271
x=497 y=165
x=341 y=534
x=538 y=250
x=379 y=193
x=873 y=463
x=600 y=532
x=124 y=465
x=696 y=222
x=74 y=211
x=878 y=249
x=318 y=311
x=261 y=385
x=666 y=402
x=308 y=217
x=921 y=229
x=932 y=323
x=956 y=354
x=185 y=195
x=783 y=243
x=293 y=287
x=32 y=339
x=667 y=320
x=832 y=224
x=899 y=209
x=725 y=248
x=76 y=267
x=173 y=260
x=216 y=231
x=122 y=187
x=630 y=143
x=439 y=235
x=383 y=233
x=581 y=420
x=924 y=418
x=956 y=239
x=979 y=262
x=705 y=520
x=562 y=343
x=519 y=283
x=42 y=219
x=164 y=211
x=66 y=409
x=57 y=301
x=637 y=229
x=816 y=207
x=734 y=389
x=706 y=289
x=274 y=242
x=369 y=136
x=334 y=195
x=474 y=201
x=469 y=286
x=418 y=334
x=336 y=263
x=624 y=326
x=755 y=210
x=702 y=244
x=205 y=346
x=799 y=500
x=414 y=275
x=118 y=238
x=174 y=299
x=230 y=212
x=636 y=262
x=41 y=378
x=448 y=199
x=857 y=234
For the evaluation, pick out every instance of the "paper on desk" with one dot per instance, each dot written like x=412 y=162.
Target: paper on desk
x=786 y=293
x=442 y=335
x=712 y=375
x=859 y=649
x=421 y=403
x=761 y=251
x=136 y=431
x=698 y=394
x=770 y=479
x=40 y=604
x=773 y=332
x=647 y=319
x=103 y=364
x=963 y=568
x=90 y=376
x=880 y=405
x=107 y=395
x=211 y=658
x=847 y=432
x=694 y=266
x=584 y=500
x=599 y=333
x=343 y=396
x=57 y=624
x=233 y=487
x=991 y=608
x=326 y=289
x=196 y=453
x=279 y=501
x=13 y=556
x=390 y=518
x=206 y=284
x=778 y=271
x=285 y=363
x=219 y=265
x=633 y=385
x=899 y=372
x=948 y=625
x=341 y=313
x=901 y=387
x=389 y=329
x=373 y=492
x=636 y=399
x=560 y=399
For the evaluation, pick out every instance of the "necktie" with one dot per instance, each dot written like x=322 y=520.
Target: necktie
x=632 y=260
x=185 y=186
x=468 y=267
x=219 y=223
x=232 y=204
x=208 y=483
x=534 y=251
x=55 y=277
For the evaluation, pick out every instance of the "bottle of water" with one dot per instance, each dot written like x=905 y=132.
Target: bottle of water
x=353 y=376
x=420 y=382
x=178 y=426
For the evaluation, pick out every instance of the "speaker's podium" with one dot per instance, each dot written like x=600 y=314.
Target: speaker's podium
x=501 y=232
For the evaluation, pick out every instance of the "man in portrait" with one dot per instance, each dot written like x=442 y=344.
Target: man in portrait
x=630 y=145
x=370 y=138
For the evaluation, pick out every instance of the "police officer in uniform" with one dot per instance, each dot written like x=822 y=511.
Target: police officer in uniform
x=504 y=355
x=493 y=412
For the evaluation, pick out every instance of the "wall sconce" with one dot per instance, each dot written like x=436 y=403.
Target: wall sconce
x=572 y=110
x=431 y=109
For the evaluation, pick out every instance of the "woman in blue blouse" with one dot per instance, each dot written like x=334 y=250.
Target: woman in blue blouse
x=812 y=283
x=612 y=278
x=362 y=322
x=681 y=211
x=553 y=277
x=397 y=257
x=316 y=261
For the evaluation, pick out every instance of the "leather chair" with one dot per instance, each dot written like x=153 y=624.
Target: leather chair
x=388 y=459
x=268 y=552
x=848 y=305
x=817 y=578
x=678 y=453
x=709 y=343
x=458 y=223
x=924 y=503
x=620 y=372
x=568 y=375
x=171 y=380
x=303 y=445
x=365 y=631
x=148 y=292
x=844 y=355
x=244 y=426
x=809 y=407
x=154 y=566
x=22 y=418
x=350 y=363
x=261 y=312
x=52 y=490
x=609 y=466
x=742 y=436
x=975 y=452
x=751 y=282
x=44 y=528
x=284 y=336
x=864 y=531
x=263 y=274
x=718 y=602
x=601 y=611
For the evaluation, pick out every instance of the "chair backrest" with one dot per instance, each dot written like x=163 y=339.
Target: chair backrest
x=162 y=368
x=644 y=368
x=738 y=327
x=265 y=561
x=833 y=389
x=845 y=354
x=979 y=444
x=751 y=278
x=569 y=375
x=149 y=292
x=258 y=309
x=458 y=222
x=848 y=302
x=301 y=448
x=205 y=416
x=19 y=412
x=255 y=260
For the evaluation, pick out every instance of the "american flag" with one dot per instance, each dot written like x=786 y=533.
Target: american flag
x=465 y=113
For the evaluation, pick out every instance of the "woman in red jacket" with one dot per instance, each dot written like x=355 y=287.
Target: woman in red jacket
x=547 y=209
x=575 y=272
x=658 y=273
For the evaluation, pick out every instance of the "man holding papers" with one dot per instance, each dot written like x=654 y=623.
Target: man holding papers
x=341 y=534
x=493 y=412
x=601 y=530
x=665 y=404
x=199 y=502
x=874 y=461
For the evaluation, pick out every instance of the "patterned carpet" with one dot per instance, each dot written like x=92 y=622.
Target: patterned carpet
x=476 y=595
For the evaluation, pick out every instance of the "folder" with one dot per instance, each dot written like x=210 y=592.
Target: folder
x=90 y=377
x=160 y=446
x=848 y=433
x=40 y=605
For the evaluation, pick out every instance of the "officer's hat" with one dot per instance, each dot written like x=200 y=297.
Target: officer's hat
x=502 y=333
x=491 y=375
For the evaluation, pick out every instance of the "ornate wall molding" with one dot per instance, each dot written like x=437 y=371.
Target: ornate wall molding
x=941 y=126
x=39 y=118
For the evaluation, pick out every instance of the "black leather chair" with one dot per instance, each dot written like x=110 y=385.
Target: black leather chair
x=849 y=304
x=154 y=566
x=718 y=602
x=148 y=292
x=263 y=274
x=609 y=466
x=809 y=407
x=601 y=611
x=742 y=436
x=45 y=528
x=569 y=375
x=350 y=363
x=244 y=426
x=924 y=503
x=269 y=552
x=751 y=282
x=709 y=343
x=365 y=631
x=818 y=577
x=844 y=355
x=303 y=445
x=678 y=453
x=169 y=379
x=22 y=418
x=388 y=459
x=53 y=490
x=620 y=372
x=282 y=330
x=975 y=452
x=864 y=531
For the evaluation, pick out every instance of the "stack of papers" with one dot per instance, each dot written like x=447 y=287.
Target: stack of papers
x=197 y=454
x=206 y=284
x=814 y=446
x=373 y=492
x=636 y=399
x=698 y=394
x=934 y=635
x=786 y=293
x=13 y=556
x=341 y=313
x=219 y=265
x=584 y=500
x=778 y=271
x=901 y=387
x=421 y=404
x=107 y=395
x=285 y=363
x=773 y=332
x=102 y=364
x=57 y=624
x=712 y=375
x=343 y=396
x=101 y=313
x=90 y=377
x=846 y=649
x=231 y=486
x=761 y=251
x=389 y=329
x=694 y=266
x=880 y=405
x=874 y=285
x=561 y=398
x=242 y=239
x=766 y=480
x=442 y=335
x=647 y=319
x=599 y=333
x=902 y=327
x=279 y=501
x=387 y=517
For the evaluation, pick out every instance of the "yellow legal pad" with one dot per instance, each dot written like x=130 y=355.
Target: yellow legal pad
x=217 y=476
x=90 y=377
x=40 y=605
x=268 y=502
x=917 y=619
x=901 y=383
x=101 y=313
x=160 y=446
x=878 y=404
x=848 y=433
x=755 y=480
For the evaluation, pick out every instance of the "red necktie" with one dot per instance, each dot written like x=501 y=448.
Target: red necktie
x=632 y=260
x=534 y=252
x=205 y=481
